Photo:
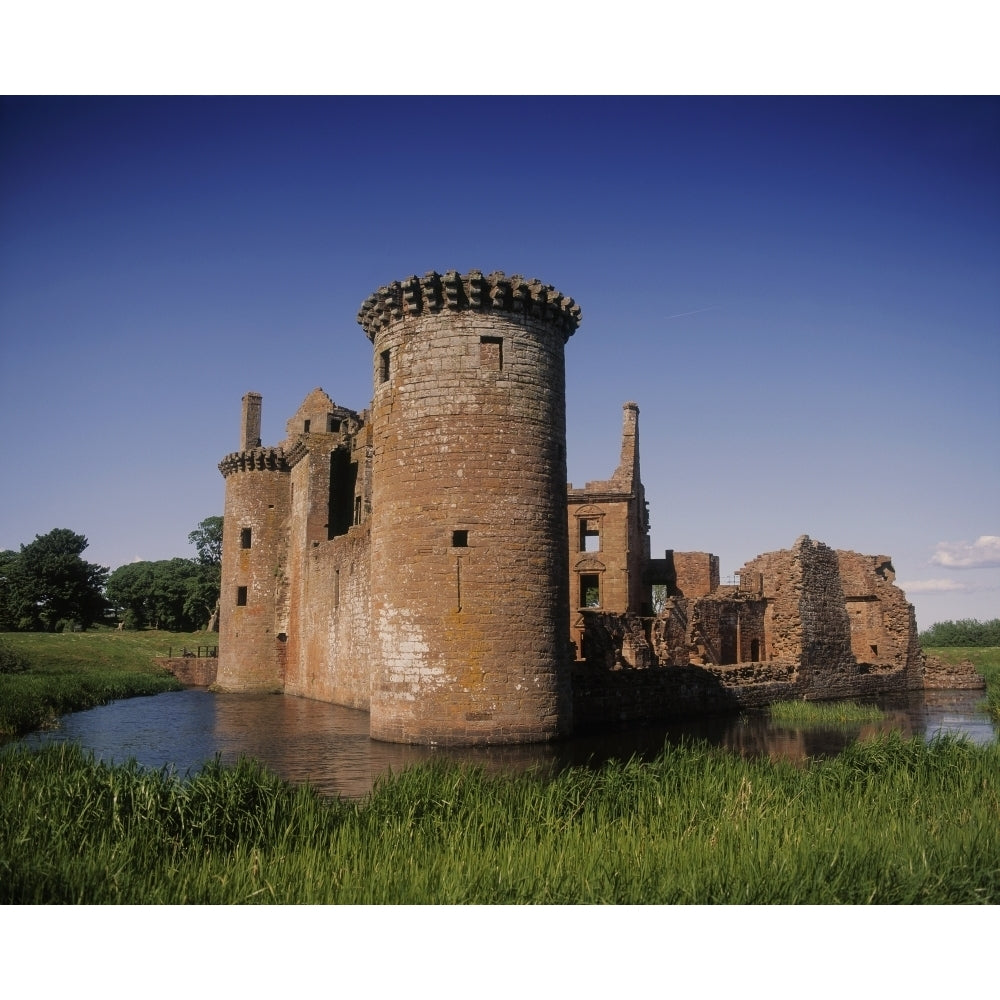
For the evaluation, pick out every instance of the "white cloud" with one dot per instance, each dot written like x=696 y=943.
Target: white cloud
x=930 y=586
x=983 y=553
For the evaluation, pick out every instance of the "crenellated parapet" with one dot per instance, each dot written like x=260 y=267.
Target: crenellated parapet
x=255 y=460
x=454 y=292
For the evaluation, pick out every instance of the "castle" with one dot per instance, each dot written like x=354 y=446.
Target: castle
x=425 y=560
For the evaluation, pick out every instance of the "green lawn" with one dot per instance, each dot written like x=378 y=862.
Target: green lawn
x=71 y=671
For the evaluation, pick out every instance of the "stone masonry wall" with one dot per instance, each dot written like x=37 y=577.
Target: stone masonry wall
x=254 y=551
x=329 y=659
x=470 y=610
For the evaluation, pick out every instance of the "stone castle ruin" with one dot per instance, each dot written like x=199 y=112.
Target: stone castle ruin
x=425 y=560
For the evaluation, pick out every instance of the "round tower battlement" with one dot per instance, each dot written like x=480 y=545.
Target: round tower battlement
x=254 y=460
x=451 y=291
x=469 y=586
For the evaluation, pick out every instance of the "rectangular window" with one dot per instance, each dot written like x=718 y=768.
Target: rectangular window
x=383 y=367
x=245 y=534
x=241 y=597
x=459 y=539
x=357 y=510
x=590 y=590
x=305 y=426
x=590 y=535
x=334 y=425
x=491 y=353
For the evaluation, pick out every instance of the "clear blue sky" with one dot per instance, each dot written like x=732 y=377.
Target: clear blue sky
x=801 y=295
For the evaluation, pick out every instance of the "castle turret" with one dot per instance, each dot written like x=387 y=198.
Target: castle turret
x=469 y=593
x=254 y=551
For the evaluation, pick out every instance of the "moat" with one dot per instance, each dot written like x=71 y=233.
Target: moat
x=329 y=746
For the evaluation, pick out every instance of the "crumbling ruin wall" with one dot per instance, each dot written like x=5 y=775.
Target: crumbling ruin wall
x=939 y=674
x=696 y=574
x=883 y=622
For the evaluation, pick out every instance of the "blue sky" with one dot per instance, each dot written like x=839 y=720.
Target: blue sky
x=801 y=294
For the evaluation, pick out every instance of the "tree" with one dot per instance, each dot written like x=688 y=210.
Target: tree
x=967 y=632
x=173 y=594
x=47 y=584
x=207 y=539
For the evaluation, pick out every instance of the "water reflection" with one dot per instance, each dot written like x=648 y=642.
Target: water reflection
x=329 y=746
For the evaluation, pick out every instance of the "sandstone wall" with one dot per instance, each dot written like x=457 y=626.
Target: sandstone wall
x=193 y=671
x=329 y=648
x=470 y=609
x=254 y=552
x=939 y=674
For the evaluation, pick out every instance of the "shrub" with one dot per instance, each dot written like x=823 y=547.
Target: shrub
x=12 y=661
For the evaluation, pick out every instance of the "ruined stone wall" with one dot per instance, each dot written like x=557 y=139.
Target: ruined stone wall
x=826 y=631
x=939 y=674
x=782 y=583
x=695 y=573
x=609 y=538
x=470 y=610
x=883 y=623
x=605 y=528
x=254 y=553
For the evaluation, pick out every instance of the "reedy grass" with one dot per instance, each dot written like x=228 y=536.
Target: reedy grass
x=887 y=821
x=824 y=713
x=74 y=671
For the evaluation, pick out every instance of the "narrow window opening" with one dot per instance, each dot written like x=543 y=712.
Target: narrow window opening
x=336 y=588
x=590 y=590
x=245 y=536
x=491 y=353
x=755 y=650
x=341 y=507
x=383 y=368
x=305 y=426
x=874 y=649
x=357 y=510
x=241 y=597
x=590 y=535
x=459 y=539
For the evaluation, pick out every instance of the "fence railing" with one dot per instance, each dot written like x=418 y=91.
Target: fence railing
x=198 y=651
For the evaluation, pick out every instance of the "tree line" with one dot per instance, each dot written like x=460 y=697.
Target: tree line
x=967 y=632
x=49 y=587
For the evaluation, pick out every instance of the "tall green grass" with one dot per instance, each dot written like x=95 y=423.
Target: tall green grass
x=986 y=660
x=888 y=821
x=68 y=672
x=824 y=713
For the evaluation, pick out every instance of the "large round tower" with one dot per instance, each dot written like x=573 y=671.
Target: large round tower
x=469 y=596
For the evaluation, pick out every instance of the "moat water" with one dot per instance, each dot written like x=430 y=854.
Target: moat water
x=329 y=746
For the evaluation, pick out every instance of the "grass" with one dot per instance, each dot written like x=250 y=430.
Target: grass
x=986 y=660
x=68 y=672
x=824 y=713
x=888 y=821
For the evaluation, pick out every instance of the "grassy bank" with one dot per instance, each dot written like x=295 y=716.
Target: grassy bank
x=986 y=660
x=68 y=672
x=888 y=821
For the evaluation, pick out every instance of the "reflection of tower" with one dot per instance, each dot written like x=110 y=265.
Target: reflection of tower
x=253 y=554
x=469 y=597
